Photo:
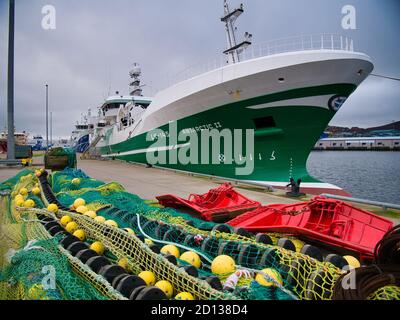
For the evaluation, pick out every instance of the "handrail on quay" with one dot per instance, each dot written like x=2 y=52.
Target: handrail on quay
x=383 y=205
x=10 y=162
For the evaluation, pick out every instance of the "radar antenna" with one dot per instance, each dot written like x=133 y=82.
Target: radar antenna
x=234 y=50
x=135 y=87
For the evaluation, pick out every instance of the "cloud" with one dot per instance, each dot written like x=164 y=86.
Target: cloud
x=375 y=102
x=97 y=41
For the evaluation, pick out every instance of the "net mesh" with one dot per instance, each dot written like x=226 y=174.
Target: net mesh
x=32 y=265
x=386 y=293
x=295 y=275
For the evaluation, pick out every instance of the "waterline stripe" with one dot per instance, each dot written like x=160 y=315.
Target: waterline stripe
x=138 y=151
x=319 y=185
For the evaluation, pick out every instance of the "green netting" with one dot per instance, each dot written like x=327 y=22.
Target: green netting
x=61 y=151
x=101 y=194
x=37 y=199
x=62 y=180
x=30 y=266
x=302 y=276
x=10 y=183
x=262 y=271
x=30 y=258
x=386 y=293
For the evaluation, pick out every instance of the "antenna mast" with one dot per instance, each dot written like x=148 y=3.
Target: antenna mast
x=234 y=50
x=135 y=87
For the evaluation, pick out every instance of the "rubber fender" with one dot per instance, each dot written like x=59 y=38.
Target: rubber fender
x=110 y=272
x=77 y=246
x=95 y=263
x=263 y=238
x=85 y=254
x=129 y=283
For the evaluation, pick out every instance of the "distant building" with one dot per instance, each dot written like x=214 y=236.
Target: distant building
x=385 y=133
x=389 y=130
x=359 y=143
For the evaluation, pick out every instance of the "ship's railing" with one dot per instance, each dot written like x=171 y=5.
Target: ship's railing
x=332 y=42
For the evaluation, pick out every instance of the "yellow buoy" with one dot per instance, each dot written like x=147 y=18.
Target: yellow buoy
x=52 y=207
x=81 y=209
x=148 y=241
x=148 y=277
x=19 y=196
x=36 y=292
x=165 y=286
x=19 y=202
x=79 y=202
x=223 y=264
x=184 y=296
x=29 y=203
x=298 y=244
x=71 y=227
x=129 y=230
x=192 y=258
x=98 y=247
x=100 y=219
x=352 y=261
x=80 y=234
x=23 y=191
x=271 y=273
x=36 y=191
x=65 y=220
x=90 y=214
x=76 y=181
x=170 y=249
x=123 y=262
x=111 y=223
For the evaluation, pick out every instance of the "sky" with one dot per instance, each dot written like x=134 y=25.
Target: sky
x=96 y=42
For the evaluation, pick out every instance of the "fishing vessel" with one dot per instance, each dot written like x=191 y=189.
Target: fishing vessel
x=287 y=91
x=37 y=142
x=79 y=140
x=21 y=138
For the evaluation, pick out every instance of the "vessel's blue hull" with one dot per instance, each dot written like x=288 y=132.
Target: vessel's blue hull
x=82 y=145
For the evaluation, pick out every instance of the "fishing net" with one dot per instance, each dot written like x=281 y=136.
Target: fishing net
x=169 y=226
x=386 y=293
x=29 y=265
x=60 y=157
x=263 y=270
x=10 y=183
x=32 y=265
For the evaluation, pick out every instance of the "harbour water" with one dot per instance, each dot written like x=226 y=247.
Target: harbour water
x=372 y=175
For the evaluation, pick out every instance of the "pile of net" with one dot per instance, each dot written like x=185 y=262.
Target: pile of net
x=171 y=251
x=54 y=158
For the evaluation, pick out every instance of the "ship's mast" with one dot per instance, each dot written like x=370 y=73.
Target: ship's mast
x=234 y=50
x=135 y=73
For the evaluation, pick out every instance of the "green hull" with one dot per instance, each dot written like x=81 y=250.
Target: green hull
x=281 y=149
